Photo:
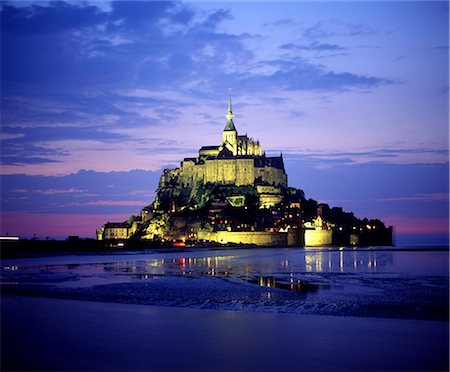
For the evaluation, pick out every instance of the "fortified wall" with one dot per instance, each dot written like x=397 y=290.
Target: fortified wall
x=238 y=171
x=318 y=238
x=262 y=238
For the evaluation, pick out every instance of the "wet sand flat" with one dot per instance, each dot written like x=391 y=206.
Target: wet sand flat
x=57 y=334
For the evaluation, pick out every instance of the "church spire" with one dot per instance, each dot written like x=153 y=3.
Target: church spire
x=230 y=125
x=230 y=115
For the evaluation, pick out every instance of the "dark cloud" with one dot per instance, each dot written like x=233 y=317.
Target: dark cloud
x=24 y=159
x=23 y=144
x=78 y=46
x=298 y=74
x=63 y=66
x=56 y=17
x=380 y=153
x=315 y=46
x=41 y=134
x=284 y=22
x=27 y=122
x=16 y=151
x=137 y=44
x=279 y=100
x=89 y=108
x=334 y=27
x=215 y=18
x=85 y=192
x=140 y=13
x=296 y=114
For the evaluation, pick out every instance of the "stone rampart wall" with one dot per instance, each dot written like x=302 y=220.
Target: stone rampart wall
x=295 y=238
x=272 y=176
x=245 y=237
x=317 y=238
x=237 y=172
x=230 y=171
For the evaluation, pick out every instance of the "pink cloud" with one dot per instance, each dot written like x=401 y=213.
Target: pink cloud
x=109 y=203
x=418 y=225
x=419 y=197
x=127 y=203
x=59 y=191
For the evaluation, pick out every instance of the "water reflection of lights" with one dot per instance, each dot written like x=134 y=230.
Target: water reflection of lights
x=142 y=276
x=12 y=268
x=314 y=262
x=220 y=265
x=213 y=266
x=295 y=285
x=344 y=260
x=158 y=266
x=308 y=262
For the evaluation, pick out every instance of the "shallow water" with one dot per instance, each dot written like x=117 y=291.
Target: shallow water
x=55 y=334
x=366 y=282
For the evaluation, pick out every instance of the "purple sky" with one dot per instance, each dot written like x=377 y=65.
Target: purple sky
x=98 y=97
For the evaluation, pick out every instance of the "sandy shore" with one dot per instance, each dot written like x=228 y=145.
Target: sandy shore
x=54 y=334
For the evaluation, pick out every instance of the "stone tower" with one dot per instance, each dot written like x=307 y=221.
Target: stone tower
x=229 y=134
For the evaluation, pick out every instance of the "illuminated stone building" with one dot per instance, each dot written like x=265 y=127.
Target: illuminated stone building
x=234 y=193
x=119 y=230
x=114 y=231
x=238 y=161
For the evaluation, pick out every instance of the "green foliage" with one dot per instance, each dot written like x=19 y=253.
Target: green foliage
x=200 y=195
x=157 y=226
x=236 y=201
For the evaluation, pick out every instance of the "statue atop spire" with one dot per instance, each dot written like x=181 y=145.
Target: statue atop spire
x=230 y=115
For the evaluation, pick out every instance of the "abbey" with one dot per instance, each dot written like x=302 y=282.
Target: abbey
x=238 y=161
x=232 y=193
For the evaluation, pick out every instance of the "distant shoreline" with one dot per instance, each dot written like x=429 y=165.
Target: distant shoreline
x=32 y=248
